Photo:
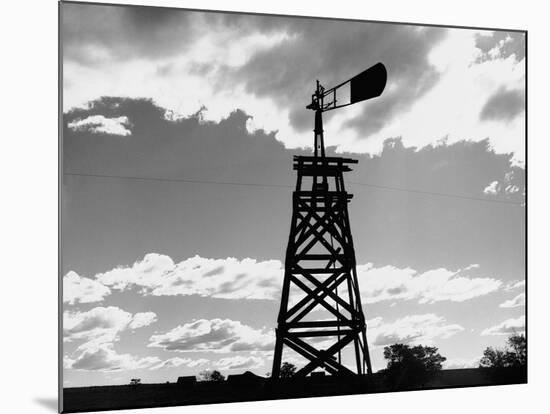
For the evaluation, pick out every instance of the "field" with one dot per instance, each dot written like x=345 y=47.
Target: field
x=257 y=388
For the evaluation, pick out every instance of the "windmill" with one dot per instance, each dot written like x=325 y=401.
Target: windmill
x=320 y=267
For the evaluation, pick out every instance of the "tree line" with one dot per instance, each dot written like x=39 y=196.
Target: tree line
x=414 y=365
x=408 y=366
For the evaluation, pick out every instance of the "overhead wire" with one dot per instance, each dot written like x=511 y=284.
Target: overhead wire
x=269 y=185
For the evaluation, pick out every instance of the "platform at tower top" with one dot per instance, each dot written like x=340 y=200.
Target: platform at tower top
x=311 y=165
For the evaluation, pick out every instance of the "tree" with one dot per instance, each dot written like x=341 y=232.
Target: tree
x=513 y=355
x=134 y=382
x=411 y=366
x=493 y=358
x=517 y=351
x=211 y=376
x=287 y=370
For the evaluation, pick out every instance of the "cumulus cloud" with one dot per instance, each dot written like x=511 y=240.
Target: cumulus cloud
x=391 y=283
x=142 y=319
x=414 y=329
x=77 y=289
x=215 y=335
x=98 y=124
x=492 y=189
x=232 y=278
x=517 y=301
x=103 y=357
x=240 y=362
x=98 y=329
x=500 y=45
x=509 y=186
x=229 y=278
x=511 y=189
x=508 y=327
x=460 y=363
x=177 y=362
x=102 y=324
x=514 y=284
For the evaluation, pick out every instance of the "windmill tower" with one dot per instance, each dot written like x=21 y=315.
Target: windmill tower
x=321 y=314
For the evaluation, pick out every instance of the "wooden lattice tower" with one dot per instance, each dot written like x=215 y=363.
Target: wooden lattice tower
x=320 y=262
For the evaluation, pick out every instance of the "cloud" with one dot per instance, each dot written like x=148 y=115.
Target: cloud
x=102 y=324
x=226 y=59
x=95 y=34
x=460 y=363
x=518 y=301
x=414 y=329
x=492 y=188
x=511 y=189
x=177 y=361
x=508 y=327
x=232 y=278
x=510 y=186
x=215 y=335
x=391 y=283
x=504 y=105
x=98 y=124
x=514 y=284
x=102 y=357
x=99 y=328
x=500 y=45
x=240 y=362
x=77 y=289
x=470 y=83
x=435 y=225
x=334 y=52
x=142 y=319
x=227 y=278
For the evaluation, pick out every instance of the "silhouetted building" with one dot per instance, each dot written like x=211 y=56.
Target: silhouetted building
x=188 y=381
x=247 y=378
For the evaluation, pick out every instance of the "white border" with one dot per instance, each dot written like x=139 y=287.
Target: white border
x=29 y=203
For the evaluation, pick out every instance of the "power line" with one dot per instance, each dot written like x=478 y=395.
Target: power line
x=463 y=197
x=177 y=180
x=377 y=186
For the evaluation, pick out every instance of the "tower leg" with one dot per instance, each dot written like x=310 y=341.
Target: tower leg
x=366 y=353
x=276 y=371
x=358 y=357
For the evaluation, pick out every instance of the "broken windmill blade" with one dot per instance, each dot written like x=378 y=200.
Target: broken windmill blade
x=320 y=267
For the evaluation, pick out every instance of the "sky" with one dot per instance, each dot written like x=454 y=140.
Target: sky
x=178 y=268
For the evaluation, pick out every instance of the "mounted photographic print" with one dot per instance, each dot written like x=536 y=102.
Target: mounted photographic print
x=259 y=207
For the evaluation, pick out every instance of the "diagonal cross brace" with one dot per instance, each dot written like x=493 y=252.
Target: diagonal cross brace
x=323 y=358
